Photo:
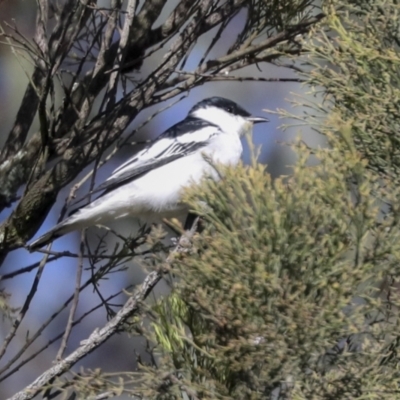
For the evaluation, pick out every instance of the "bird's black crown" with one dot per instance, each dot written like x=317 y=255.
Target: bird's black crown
x=220 y=102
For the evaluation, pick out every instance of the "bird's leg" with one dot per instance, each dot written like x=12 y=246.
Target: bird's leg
x=189 y=221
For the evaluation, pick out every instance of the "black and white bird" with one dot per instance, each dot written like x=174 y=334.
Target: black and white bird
x=149 y=185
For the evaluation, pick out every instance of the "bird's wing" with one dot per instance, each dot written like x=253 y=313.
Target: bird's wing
x=178 y=141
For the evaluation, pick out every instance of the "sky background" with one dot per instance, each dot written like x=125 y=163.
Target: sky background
x=58 y=280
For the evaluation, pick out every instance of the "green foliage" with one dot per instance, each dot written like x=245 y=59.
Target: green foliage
x=282 y=272
x=354 y=58
x=291 y=290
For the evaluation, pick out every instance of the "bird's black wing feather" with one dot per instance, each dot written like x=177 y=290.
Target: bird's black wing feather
x=190 y=124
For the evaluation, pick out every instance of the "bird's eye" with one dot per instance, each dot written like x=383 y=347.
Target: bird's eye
x=230 y=109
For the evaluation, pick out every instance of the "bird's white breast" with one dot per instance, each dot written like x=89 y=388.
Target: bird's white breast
x=160 y=189
x=157 y=193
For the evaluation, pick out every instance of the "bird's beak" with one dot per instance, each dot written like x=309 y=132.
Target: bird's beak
x=256 y=120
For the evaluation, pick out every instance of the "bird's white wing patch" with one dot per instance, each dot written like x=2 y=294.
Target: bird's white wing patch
x=152 y=151
x=165 y=148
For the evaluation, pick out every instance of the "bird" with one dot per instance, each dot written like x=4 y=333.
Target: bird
x=149 y=185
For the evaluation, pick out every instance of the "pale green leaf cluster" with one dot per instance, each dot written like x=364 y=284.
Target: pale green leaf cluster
x=354 y=61
x=283 y=271
x=292 y=289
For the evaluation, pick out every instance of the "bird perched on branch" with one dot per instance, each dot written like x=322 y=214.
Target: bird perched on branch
x=149 y=185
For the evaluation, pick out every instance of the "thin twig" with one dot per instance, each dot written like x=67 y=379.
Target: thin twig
x=75 y=302
x=99 y=336
x=95 y=277
x=57 y=337
x=25 y=307
x=29 y=268
x=121 y=53
x=227 y=77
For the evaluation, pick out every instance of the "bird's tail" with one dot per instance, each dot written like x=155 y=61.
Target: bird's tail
x=59 y=230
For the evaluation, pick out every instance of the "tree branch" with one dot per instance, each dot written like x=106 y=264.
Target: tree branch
x=95 y=137
x=99 y=336
x=15 y=168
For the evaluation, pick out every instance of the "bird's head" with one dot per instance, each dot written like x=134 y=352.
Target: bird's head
x=225 y=113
